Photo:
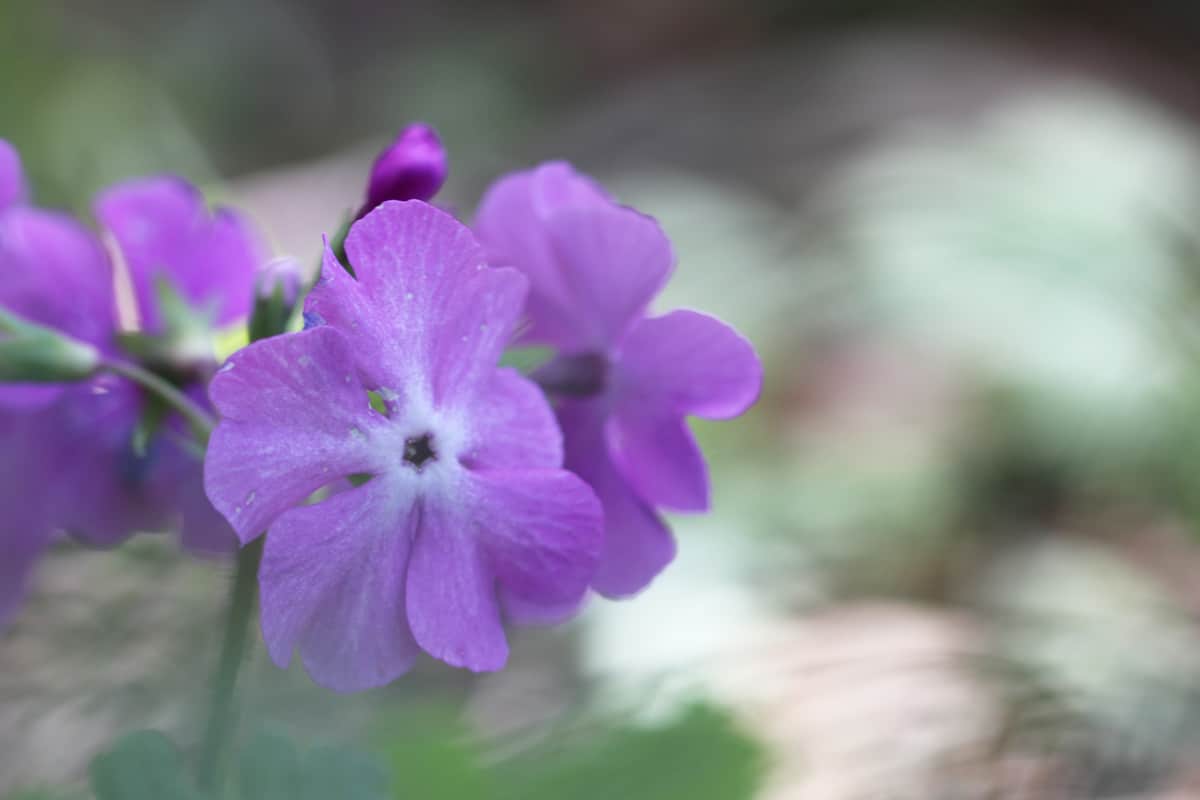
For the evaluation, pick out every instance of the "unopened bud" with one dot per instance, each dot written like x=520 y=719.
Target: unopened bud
x=32 y=353
x=413 y=167
x=283 y=276
x=275 y=296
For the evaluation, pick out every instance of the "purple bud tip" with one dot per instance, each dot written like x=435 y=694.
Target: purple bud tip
x=412 y=168
x=282 y=274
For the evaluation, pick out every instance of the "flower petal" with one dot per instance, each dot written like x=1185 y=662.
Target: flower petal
x=659 y=458
x=451 y=601
x=426 y=315
x=513 y=426
x=164 y=227
x=12 y=178
x=613 y=261
x=520 y=611
x=25 y=526
x=93 y=480
x=542 y=531
x=333 y=584
x=53 y=271
x=75 y=456
x=511 y=225
x=64 y=467
x=294 y=419
x=557 y=186
x=637 y=545
x=593 y=265
x=203 y=531
x=688 y=363
x=178 y=484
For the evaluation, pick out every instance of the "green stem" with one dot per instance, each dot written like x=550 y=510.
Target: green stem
x=201 y=421
x=219 y=731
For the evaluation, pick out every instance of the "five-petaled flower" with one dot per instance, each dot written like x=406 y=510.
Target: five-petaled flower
x=458 y=512
x=70 y=461
x=624 y=381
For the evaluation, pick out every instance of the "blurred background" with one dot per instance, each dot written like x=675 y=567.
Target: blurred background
x=954 y=552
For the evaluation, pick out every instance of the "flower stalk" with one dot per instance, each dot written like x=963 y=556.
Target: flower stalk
x=222 y=716
x=270 y=318
x=201 y=421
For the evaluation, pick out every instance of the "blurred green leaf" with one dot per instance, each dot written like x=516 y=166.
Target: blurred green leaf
x=429 y=754
x=143 y=765
x=700 y=755
x=339 y=773
x=35 y=794
x=271 y=769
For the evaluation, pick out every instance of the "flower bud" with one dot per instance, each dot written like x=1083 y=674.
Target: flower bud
x=280 y=275
x=412 y=168
x=31 y=353
x=275 y=296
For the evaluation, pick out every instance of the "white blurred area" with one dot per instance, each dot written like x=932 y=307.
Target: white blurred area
x=1028 y=247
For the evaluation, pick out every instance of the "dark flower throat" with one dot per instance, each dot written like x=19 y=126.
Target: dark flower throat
x=418 y=450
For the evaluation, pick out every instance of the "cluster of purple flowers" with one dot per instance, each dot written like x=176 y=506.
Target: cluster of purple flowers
x=99 y=459
x=414 y=494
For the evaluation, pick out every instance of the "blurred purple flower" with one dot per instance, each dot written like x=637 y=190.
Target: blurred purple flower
x=69 y=461
x=625 y=381
x=466 y=513
x=165 y=230
x=61 y=466
x=413 y=167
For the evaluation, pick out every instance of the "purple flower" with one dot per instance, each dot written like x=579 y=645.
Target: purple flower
x=69 y=461
x=466 y=513
x=626 y=381
x=413 y=167
x=165 y=231
x=61 y=466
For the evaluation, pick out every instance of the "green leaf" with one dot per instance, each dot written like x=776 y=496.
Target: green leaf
x=35 y=794
x=430 y=754
x=338 y=773
x=272 y=769
x=269 y=769
x=699 y=756
x=143 y=765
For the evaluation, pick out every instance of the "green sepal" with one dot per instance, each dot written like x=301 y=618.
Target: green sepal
x=186 y=337
x=338 y=245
